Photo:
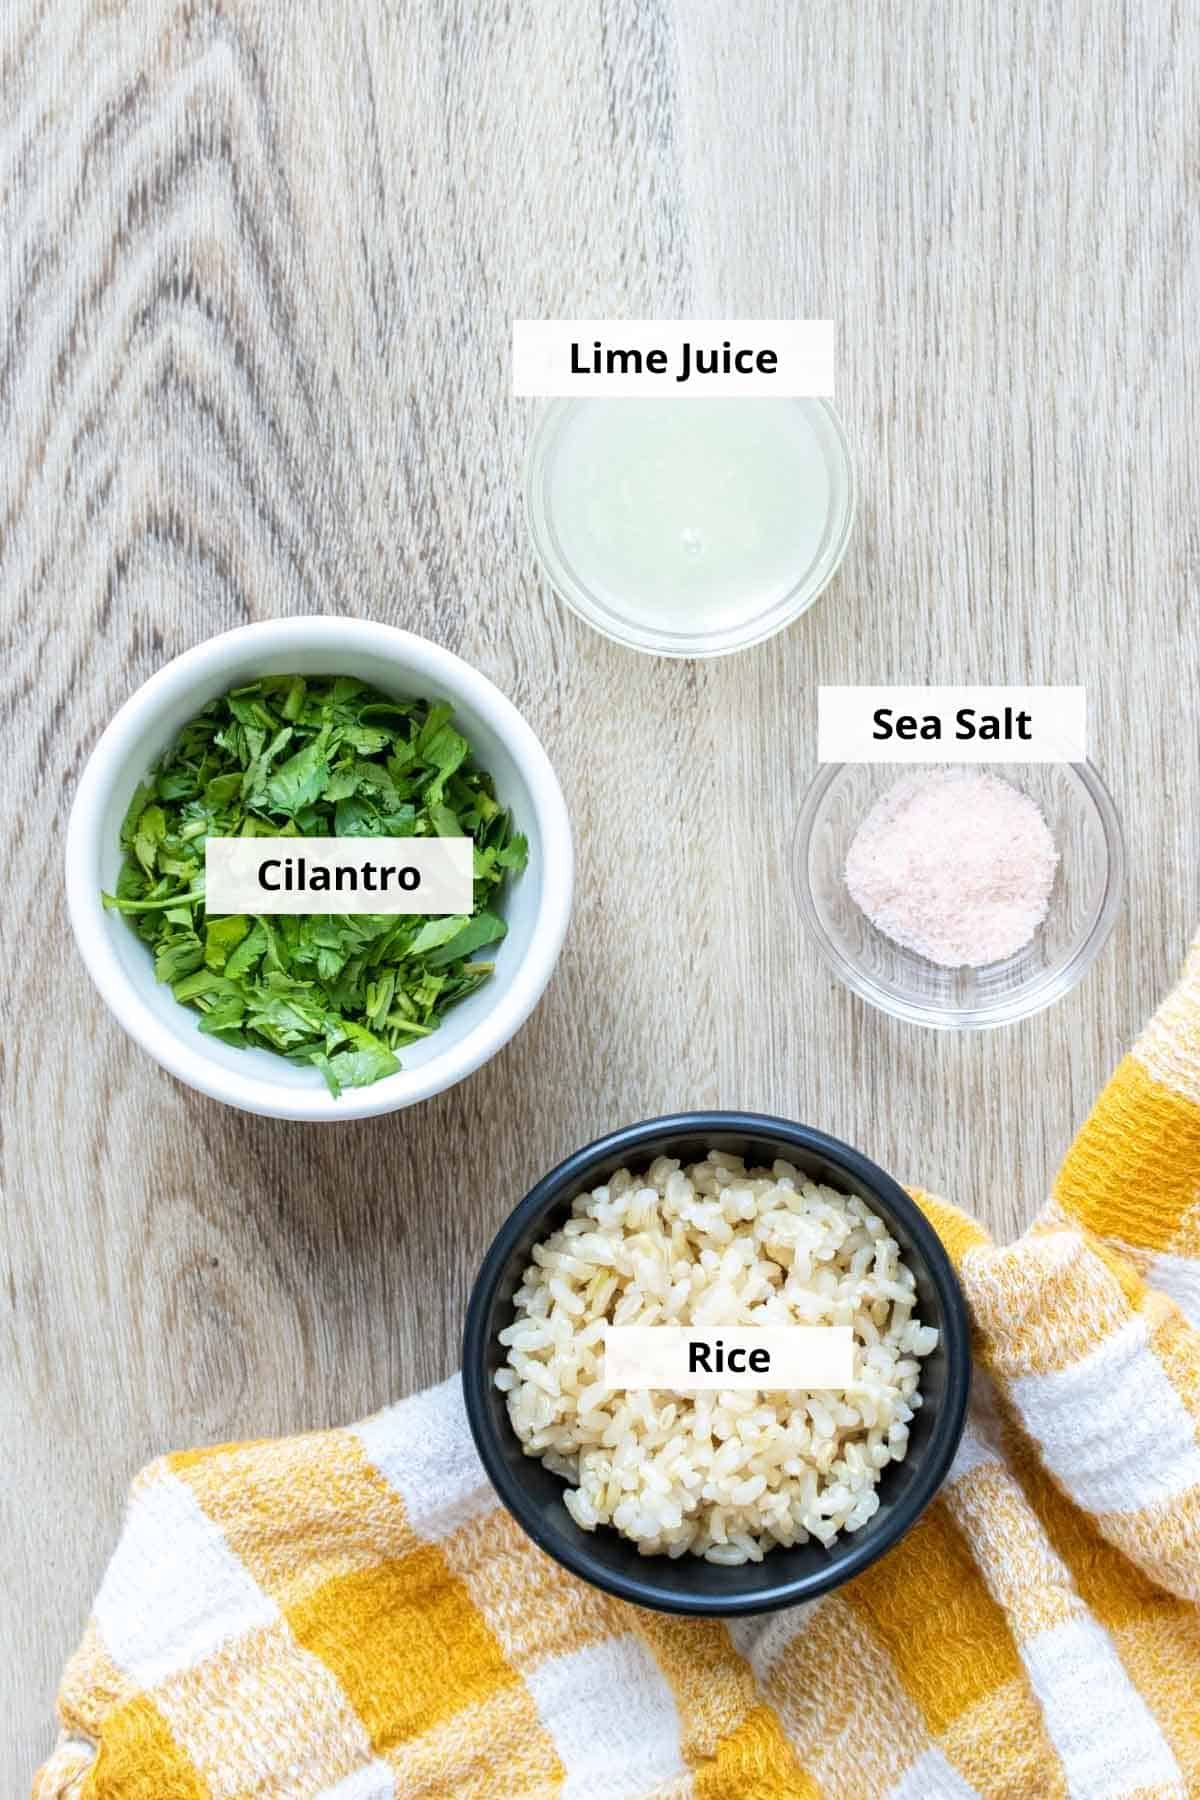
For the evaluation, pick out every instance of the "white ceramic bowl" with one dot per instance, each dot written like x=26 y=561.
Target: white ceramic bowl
x=536 y=904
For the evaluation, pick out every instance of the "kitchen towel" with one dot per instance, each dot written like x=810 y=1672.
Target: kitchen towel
x=350 y=1615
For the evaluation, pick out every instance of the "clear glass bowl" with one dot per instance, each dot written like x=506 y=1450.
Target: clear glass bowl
x=1084 y=902
x=562 y=457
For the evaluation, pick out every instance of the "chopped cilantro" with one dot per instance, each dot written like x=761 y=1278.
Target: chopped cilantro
x=323 y=757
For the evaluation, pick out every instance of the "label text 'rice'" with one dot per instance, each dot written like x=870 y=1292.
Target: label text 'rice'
x=689 y=1360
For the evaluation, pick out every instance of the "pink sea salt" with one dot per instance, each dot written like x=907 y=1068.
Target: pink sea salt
x=955 y=865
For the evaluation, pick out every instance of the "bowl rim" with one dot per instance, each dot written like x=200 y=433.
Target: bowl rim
x=851 y=1556
x=1025 y=1002
x=578 y=599
x=417 y=657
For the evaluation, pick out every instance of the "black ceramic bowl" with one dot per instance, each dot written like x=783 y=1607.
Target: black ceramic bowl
x=688 y=1584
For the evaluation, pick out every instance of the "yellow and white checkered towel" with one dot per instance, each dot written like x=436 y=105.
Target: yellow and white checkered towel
x=349 y=1614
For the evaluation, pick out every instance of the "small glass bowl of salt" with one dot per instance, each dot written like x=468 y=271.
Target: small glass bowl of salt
x=972 y=994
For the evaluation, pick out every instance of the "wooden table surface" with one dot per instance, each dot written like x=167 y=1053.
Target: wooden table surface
x=260 y=263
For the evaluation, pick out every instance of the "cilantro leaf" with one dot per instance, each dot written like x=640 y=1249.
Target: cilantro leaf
x=483 y=928
x=302 y=778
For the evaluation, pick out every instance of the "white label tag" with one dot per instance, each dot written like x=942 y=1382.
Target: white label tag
x=688 y=1359
x=339 y=875
x=951 y=724
x=682 y=358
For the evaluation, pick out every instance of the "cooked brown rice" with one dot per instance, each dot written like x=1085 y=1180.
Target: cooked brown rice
x=725 y=1475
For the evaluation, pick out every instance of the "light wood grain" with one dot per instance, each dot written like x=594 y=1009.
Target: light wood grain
x=260 y=264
